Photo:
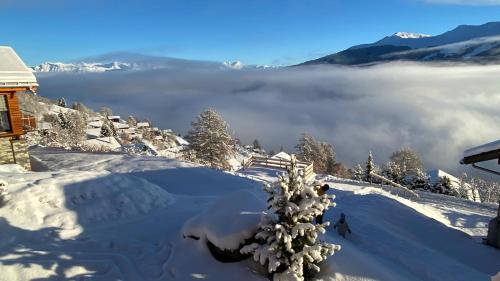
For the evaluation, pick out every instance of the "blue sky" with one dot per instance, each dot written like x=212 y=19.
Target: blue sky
x=253 y=31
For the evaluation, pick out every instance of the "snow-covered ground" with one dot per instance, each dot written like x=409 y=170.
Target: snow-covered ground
x=85 y=216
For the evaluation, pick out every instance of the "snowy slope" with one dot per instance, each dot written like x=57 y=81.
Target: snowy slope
x=87 y=216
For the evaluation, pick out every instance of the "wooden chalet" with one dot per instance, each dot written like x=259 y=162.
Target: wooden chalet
x=15 y=77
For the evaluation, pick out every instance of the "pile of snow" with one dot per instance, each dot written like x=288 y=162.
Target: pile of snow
x=229 y=222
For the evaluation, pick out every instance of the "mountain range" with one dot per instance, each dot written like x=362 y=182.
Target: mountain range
x=125 y=61
x=466 y=43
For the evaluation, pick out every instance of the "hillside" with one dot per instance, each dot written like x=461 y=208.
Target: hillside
x=87 y=216
x=466 y=43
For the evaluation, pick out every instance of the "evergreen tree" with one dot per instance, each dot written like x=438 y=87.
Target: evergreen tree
x=359 y=173
x=393 y=172
x=307 y=149
x=210 y=140
x=106 y=130
x=327 y=158
x=369 y=168
x=131 y=121
x=463 y=186
x=61 y=102
x=288 y=240
x=256 y=145
x=420 y=181
x=444 y=186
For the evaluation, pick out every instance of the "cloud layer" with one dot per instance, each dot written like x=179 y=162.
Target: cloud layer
x=438 y=110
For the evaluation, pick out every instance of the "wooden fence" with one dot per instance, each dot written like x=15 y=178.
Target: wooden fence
x=396 y=189
x=28 y=121
x=278 y=163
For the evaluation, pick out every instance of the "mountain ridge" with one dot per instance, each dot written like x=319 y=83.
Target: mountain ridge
x=465 y=43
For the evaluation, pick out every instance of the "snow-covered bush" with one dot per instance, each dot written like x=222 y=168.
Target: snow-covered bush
x=288 y=241
x=210 y=140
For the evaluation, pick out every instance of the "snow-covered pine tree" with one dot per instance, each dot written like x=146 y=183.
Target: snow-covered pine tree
x=444 y=186
x=307 y=149
x=463 y=186
x=420 y=180
x=393 y=172
x=288 y=239
x=210 y=140
x=327 y=157
x=61 y=102
x=369 y=168
x=132 y=122
x=256 y=144
x=106 y=130
x=359 y=173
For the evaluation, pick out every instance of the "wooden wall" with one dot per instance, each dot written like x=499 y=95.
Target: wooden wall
x=15 y=115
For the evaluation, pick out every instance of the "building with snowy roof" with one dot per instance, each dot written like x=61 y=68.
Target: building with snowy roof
x=15 y=77
x=482 y=153
x=479 y=154
x=435 y=176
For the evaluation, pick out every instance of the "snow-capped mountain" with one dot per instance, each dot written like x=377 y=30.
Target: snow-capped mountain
x=407 y=35
x=81 y=67
x=136 y=62
x=465 y=43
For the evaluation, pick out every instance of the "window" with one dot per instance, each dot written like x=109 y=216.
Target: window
x=4 y=115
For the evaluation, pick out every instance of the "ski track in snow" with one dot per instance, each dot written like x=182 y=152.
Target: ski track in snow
x=94 y=217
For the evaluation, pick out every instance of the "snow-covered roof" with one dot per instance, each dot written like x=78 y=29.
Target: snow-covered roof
x=181 y=141
x=95 y=124
x=282 y=155
x=483 y=152
x=120 y=125
x=114 y=117
x=93 y=133
x=109 y=142
x=13 y=71
x=436 y=175
x=142 y=124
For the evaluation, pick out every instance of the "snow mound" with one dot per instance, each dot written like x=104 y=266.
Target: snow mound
x=11 y=168
x=72 y=202
x=228 y=222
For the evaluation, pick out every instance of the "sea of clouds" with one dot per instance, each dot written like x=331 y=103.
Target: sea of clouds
x=439 y=110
